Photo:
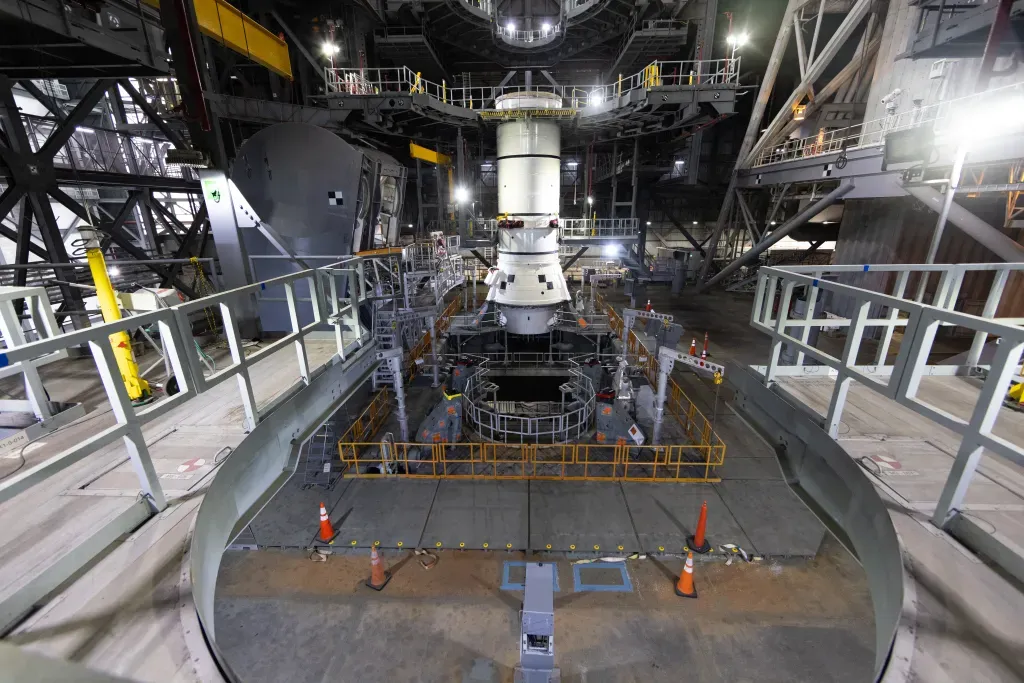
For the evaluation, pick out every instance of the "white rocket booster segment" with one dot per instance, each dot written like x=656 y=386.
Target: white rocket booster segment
x=528 y=284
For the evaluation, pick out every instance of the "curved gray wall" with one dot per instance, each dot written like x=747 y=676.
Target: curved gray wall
x=258 y=467
x=829 y=480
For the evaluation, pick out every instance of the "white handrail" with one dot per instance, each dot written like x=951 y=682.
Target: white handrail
x=873 y=133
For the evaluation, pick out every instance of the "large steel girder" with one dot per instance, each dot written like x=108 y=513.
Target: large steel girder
x=32 y=176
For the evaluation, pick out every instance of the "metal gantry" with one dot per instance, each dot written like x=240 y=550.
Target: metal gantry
x=115 y=181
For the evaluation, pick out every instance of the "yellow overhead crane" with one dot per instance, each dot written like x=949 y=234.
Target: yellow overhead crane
x=429 y=155
x=228 y=25
x=434 y=157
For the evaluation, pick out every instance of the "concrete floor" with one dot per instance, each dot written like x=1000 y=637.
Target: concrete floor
x=282 y=617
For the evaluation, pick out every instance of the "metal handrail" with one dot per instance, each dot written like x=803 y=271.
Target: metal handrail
x=901 y=381
x=527 y=37
x=657 y=74
x=873 y=133
x=114 y=151
x=558 y=426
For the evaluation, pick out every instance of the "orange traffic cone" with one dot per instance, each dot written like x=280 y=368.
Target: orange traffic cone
x=378 y=576
x=693 y=347
x=684 y=586
x=697 y=543
x=327 y=532
x=704 y=353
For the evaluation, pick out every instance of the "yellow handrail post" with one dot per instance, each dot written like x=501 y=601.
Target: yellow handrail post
x=444 y=92
x=620 y=85
x=138 y=388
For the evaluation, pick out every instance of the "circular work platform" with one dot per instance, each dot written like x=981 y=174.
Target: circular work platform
x=518 y=421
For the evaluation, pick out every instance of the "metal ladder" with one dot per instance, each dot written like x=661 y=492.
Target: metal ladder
x=386 y=333
x=322 y=466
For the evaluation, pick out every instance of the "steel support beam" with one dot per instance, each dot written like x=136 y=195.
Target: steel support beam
x=814 y=71
x=22 y=249
x=152 y=114
x=783 y=230
x=574 y=258
x=199 y=221
x=480 y=257
x=9 y=199
x=679 y=226
x=170 y=220
x=316 y=64
x=748 y=218
x=994 y=240
x=753 y=127
x=44 y=99
x=60 y=136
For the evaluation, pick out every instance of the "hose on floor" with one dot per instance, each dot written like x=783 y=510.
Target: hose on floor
x=426 y=563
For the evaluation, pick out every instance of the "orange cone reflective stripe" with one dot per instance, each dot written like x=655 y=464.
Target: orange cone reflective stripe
x=327 y=532
x=684 y=586
x=378 y=577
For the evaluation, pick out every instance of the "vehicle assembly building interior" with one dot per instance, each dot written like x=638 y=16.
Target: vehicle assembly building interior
x=512 y=340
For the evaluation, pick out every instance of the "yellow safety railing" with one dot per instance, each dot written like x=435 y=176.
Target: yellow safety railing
x=370 y=420
x=567 y=462
x=442 y=323
x=697 y=427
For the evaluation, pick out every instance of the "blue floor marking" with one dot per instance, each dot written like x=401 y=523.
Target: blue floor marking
x=625 y=587
x=507 y=585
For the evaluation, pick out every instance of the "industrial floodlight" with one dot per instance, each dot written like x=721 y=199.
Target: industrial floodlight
x=590 y=200
x=610 y=250
x=545 y=28
x=595 y=98
x=113 y=271
x=985 y=120
x=511 y=26
x=461 y=195
x=737 y=39
x=329 y=49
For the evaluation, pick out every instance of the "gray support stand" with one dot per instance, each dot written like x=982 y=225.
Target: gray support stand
x=395 y=364
x=940 y=224
x=679 y=274
x=659 y=401
x=433 y=352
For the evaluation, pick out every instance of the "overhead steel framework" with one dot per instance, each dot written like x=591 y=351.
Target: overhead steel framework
x=59 y=159
x=778 y=165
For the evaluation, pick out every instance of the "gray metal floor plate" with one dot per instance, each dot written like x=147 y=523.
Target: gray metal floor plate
x=292 y=518
x=479 y=512
x=763 y=516
x=736 y=467
x=388 y=511
x=665 y=514
x=583 y=514
x=774 y=519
